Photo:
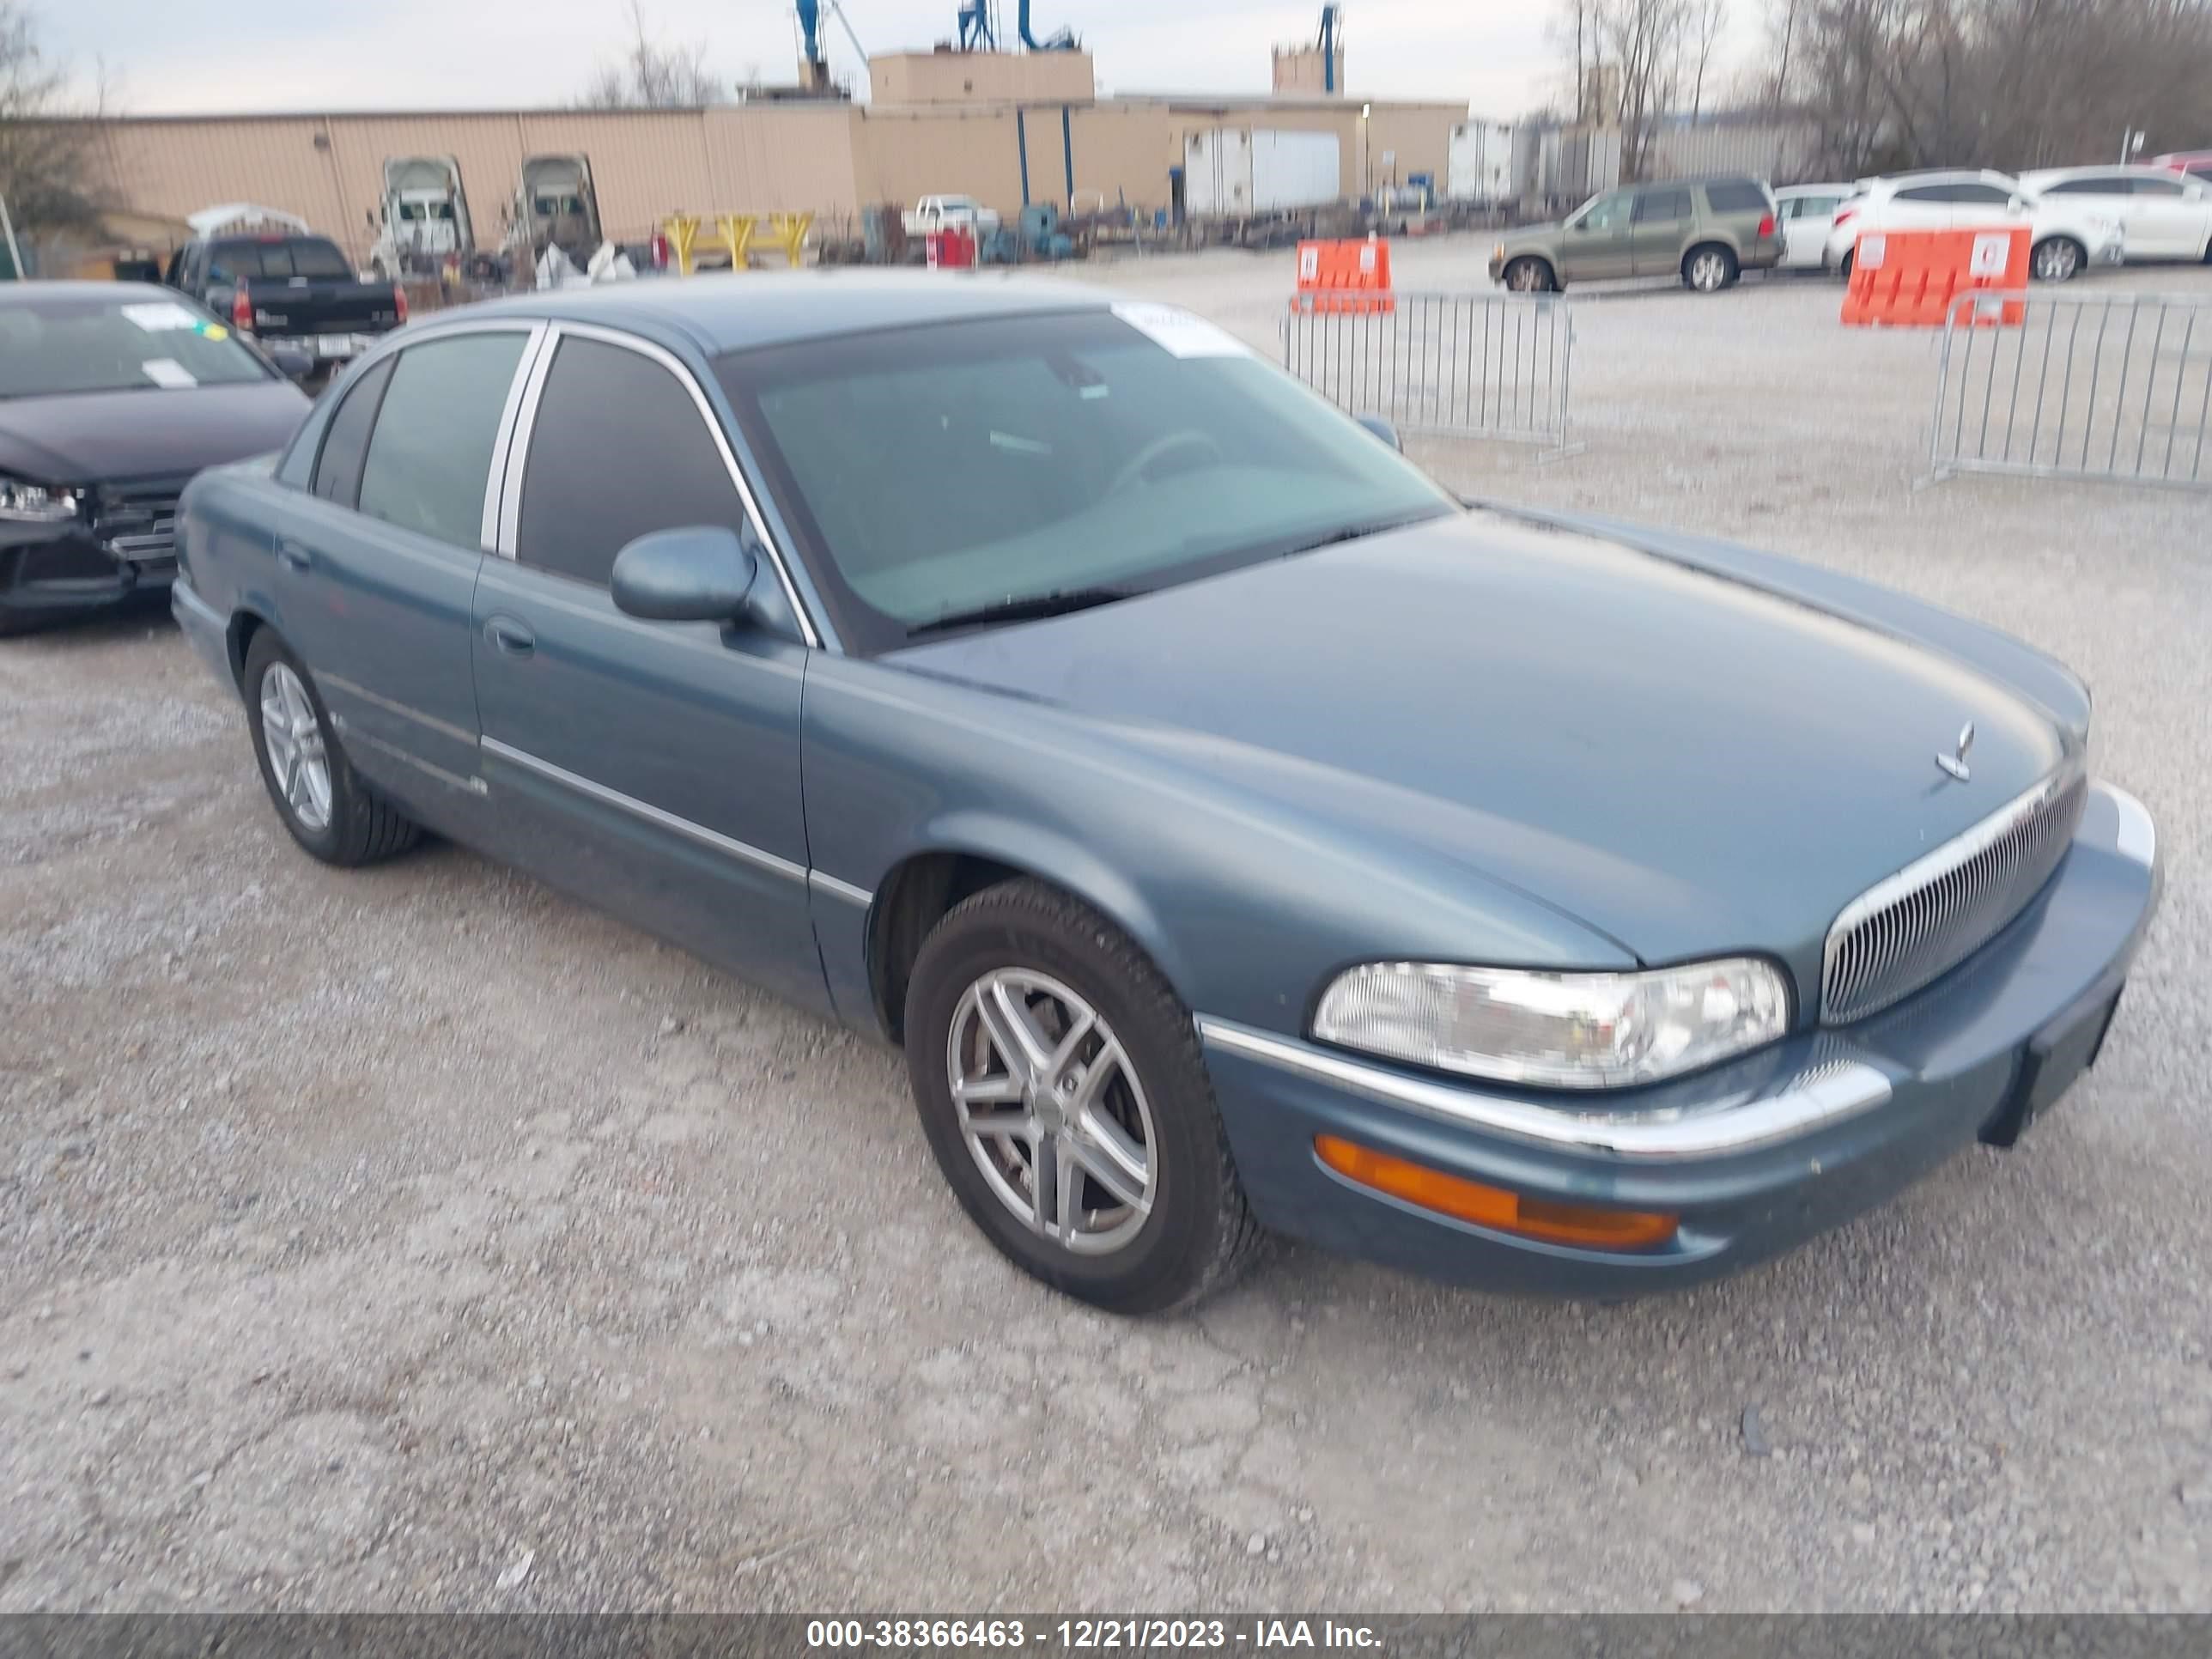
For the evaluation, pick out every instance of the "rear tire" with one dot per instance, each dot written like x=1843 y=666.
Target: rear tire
x=1708 y=268
x=1173 y=1225
x=342 y=821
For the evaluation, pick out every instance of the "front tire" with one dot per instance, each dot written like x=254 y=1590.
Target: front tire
x=2056 y=259
x=328 y=808
x=1530 y=276
x=1060 y=1086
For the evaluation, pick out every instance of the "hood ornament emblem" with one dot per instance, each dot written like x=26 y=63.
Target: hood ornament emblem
x=1954 y=763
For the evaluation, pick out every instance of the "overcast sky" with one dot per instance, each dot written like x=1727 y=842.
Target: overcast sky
x=195 y=55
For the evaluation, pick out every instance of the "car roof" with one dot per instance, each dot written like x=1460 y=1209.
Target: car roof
x=1815 y=189
x=2146 y=169
x=740 y=311
x=40 y=288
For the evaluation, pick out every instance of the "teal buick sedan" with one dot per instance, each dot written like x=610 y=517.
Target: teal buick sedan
x=1236 y=832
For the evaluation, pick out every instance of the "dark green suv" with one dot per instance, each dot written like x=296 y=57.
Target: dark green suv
x=1706 y=231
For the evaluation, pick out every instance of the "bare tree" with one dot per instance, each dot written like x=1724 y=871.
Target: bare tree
x=1642 y=41
x=651 y=75
x=49 y=164
x=2004 y=84
x=1708 y=21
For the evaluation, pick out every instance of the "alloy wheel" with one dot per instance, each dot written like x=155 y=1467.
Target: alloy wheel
x=1709 y=272
x=1053 y=1111
x=299 y=759
x=2057 y=261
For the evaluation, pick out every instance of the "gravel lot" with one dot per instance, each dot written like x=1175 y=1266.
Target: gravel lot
x=419 y=1239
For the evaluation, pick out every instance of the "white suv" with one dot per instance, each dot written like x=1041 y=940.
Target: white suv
x=2163 y=215
x=2065 y=234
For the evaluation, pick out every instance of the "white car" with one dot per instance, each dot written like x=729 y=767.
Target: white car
x=1807 y=212
x=2162 y=214
x=2065 y=234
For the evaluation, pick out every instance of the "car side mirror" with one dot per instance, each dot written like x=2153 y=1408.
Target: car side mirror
x=701 y=573
x=292 y=363
x=2017 y=203
x=1383 y=429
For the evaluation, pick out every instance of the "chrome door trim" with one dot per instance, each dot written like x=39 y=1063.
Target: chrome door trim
x=650 y=814
x=526 y=368
x=511 y=503
x=1822 y=1095
x=517 y=448
x=450 y=780
x=824 y=882
x=444 y=728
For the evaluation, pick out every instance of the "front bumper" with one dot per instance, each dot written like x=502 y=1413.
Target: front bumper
x=62 y=572
x=1756 y=1156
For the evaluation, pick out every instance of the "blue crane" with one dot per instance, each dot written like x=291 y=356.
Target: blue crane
x=977 y=31
x=810 y=27
x=1063 y=41
x=1328 y=21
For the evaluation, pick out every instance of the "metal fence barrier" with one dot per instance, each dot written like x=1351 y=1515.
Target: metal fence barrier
x=2115 y=387
x=1464 y=365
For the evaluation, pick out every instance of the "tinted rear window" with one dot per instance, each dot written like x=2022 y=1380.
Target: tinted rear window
x=302 y=256
x=1737 y=195
x=429 y=458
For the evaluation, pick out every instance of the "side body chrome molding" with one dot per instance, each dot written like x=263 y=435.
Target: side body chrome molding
x=1826 y=1094
x=815 y=880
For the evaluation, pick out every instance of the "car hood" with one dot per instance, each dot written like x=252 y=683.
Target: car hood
x=95 y=437
x=1683 y=760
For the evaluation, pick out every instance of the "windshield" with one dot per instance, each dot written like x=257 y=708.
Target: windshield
x=964 y=467
x=54 y=343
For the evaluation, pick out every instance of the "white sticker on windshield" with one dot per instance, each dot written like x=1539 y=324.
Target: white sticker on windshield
x=169 y=373
x=160 y=316
x=1180 y=333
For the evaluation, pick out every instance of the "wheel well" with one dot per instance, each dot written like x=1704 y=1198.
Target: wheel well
x=1696 y=248
x=913 y=899
x=1550 y=269
x=243 y=626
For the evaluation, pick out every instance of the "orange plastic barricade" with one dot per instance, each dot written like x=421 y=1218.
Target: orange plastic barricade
x=1344 y=277
x=1911 y=278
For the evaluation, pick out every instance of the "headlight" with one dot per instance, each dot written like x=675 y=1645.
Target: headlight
x=1556 y=1030
x=30 y=503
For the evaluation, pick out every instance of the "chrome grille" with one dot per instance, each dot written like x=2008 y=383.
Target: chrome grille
x=137 y=522
x=1937 y=911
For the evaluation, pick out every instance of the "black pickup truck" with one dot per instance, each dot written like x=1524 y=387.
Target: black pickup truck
x=286 y=289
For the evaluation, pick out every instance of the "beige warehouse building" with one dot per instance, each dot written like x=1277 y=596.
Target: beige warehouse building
x=1007 y=128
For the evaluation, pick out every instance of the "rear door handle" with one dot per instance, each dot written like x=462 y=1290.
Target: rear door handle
x=510 y=636
x=293 y=556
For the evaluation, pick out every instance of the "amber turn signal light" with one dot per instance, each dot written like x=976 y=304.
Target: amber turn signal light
x=1493 y=1207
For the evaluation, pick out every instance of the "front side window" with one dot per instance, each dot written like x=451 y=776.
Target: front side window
x=429 y=459
x=1980 y=195
x=1927 y=195
x=1605 y=212
x=937 y=472
x=62 y=341
x=1662 y=206
x=617 y=450
x=2088 y=187
x=2140 y=185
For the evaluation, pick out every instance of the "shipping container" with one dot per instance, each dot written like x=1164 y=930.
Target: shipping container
x=1236 y=173
x=1481 y=166
x=1781 y=152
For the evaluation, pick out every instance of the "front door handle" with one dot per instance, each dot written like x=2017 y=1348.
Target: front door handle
x=293 y=556
x=510 y=637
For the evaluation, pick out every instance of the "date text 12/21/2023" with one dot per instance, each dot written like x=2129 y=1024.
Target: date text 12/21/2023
x=1089 y=1635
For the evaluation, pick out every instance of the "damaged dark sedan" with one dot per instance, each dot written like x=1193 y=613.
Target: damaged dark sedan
x=112 y=395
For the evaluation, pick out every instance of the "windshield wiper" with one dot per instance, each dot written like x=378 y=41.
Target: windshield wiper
x=1058 y=603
